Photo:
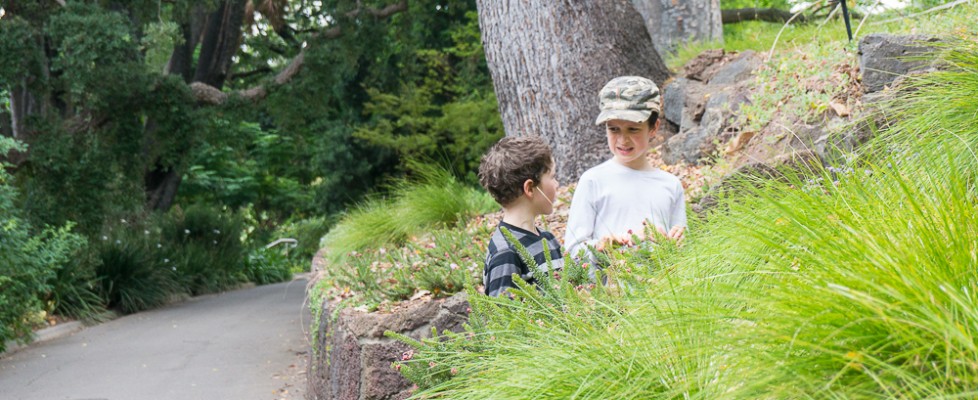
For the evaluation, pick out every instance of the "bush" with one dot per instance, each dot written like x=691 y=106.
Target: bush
x=204 y=245
x=73 y=290
x=132 y=278
x=308 y=233
x=264 y=266
x=32 y=266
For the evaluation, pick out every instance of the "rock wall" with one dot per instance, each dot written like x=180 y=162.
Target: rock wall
x=352 y=358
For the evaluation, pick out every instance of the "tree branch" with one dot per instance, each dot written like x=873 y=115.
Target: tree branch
x=258 y=71
x=207 y=94
x=757 y=14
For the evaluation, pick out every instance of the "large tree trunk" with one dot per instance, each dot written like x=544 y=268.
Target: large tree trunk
x=549 y=59
x=22 y=105
x=181 y=60
x=6 y=125
x=221 y=36
x=220 y=43
x=673 y=23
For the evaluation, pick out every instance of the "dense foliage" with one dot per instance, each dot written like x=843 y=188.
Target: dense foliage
x=125 y=176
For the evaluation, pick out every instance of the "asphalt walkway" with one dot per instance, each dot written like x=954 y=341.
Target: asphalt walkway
x=245 y=344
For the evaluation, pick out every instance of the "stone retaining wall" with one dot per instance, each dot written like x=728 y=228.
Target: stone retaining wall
x=352 y=360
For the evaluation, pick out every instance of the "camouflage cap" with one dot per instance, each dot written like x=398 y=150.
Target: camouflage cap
x=629 y=98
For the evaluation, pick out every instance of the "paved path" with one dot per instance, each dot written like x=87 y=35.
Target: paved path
x=240 y=345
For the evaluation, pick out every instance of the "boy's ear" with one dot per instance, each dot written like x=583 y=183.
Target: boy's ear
x=528 y=187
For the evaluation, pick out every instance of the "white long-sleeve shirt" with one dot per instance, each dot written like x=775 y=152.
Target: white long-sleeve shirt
x=612 y=199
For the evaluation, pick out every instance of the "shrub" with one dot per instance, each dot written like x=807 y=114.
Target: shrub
x=131 y=280
x=204 y=245
x=264 y=266
x=31 y=266
x=308 y=233
x=22 y=278
x=73 y=290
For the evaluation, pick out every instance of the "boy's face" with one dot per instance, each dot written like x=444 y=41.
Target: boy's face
x=548 y=187
x=629 y=141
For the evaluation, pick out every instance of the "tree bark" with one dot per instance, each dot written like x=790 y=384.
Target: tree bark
x=23 y=104
x=161 y=187
x=220 y=43
x=181 y=60
x=549 y=59
x=673 y=23
x=6 y=127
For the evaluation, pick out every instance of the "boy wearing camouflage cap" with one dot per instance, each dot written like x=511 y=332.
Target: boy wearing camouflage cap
x=620 y=196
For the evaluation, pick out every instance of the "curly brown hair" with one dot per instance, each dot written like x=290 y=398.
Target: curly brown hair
x=510 y=162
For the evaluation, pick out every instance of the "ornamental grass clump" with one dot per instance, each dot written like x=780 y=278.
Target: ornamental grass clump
x=935 y=115
x=434 y=199
x=857 y=286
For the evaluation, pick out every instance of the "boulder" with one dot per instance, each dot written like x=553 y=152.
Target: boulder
x=883 y=58
x=738 y=70
x=674 y=100
x=704 y=102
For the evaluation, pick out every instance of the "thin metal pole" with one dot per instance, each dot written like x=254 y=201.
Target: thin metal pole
x=845 y=16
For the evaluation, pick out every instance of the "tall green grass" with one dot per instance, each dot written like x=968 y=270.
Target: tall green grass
x=937 y=112
x=434 y=199
x=850 y=282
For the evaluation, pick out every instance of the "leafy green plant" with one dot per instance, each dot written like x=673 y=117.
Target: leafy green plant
x=34 y=264
x=264 y=266
x=308 y=233
x=73 y=290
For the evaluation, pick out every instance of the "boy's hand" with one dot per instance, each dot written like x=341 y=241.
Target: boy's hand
x=613 y=241
x=677 y=233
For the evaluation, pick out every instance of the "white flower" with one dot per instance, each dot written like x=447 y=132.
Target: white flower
x=122 y=220
x=105 y=237
x=166 y=260
x=186 y=231
x=215 y=242
x=217 y=232
x=146 y=232
x=159 y=246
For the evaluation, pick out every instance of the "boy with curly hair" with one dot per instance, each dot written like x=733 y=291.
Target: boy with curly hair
x=519 y=174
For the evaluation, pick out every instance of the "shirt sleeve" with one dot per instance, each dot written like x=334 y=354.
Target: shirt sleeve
x=499 y=272
x=678 y=217
x=581 y=221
